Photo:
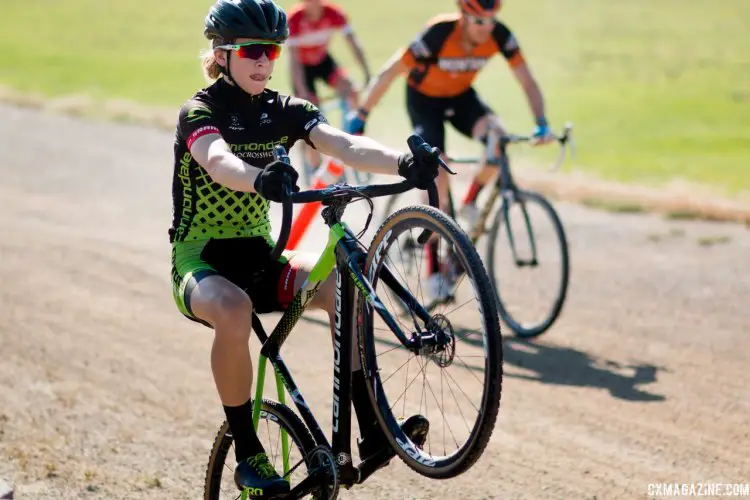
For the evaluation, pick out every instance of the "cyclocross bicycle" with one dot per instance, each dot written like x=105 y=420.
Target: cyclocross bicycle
x=540 y=301
x=451 y=369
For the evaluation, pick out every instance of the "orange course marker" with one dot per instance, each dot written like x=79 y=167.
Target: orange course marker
x=326 y=175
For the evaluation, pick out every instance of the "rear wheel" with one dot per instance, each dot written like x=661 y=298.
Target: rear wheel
x=274 y=417
x=454 y=378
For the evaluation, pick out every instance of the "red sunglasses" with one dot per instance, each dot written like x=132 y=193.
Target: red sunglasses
x=255 y=50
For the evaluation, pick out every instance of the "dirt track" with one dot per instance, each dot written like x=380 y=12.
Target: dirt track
x=106 y=391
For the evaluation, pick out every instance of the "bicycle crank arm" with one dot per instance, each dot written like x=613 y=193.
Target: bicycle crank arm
x=304 y=488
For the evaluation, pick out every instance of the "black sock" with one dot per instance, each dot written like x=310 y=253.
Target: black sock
x=240 y=418
x=362 y=406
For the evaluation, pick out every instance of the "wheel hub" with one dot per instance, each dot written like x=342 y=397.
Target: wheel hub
x=439 y=342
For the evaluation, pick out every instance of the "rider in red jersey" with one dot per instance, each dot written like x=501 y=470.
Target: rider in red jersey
x=312 y=24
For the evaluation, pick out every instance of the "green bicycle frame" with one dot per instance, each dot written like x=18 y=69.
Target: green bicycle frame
x=341 y=249
x=319 y=273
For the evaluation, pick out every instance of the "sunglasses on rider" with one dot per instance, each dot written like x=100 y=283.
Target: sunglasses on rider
x=255 y=49
x=480 y=21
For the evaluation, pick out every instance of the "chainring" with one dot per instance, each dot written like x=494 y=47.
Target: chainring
x=322 y=461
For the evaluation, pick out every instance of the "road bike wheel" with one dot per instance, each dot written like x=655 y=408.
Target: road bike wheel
x=531 y=304
x=273 y=417
x=460 y=375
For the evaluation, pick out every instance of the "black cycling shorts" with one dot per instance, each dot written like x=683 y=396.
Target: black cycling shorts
x=429 y=114
x=327 y=70
x=246 y=262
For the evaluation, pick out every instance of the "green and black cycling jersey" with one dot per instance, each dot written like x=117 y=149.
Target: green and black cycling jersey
x=252 y=126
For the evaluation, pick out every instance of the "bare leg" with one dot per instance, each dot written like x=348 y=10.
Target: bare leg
x=229 y=310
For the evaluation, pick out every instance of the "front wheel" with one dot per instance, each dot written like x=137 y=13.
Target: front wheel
x=275 y=419
x=528 y=263
x=453 y=374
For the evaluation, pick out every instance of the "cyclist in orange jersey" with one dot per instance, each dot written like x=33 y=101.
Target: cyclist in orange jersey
x=441 y=65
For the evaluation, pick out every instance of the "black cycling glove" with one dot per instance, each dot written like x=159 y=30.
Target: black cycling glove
x=271 y=181
x=422 y=168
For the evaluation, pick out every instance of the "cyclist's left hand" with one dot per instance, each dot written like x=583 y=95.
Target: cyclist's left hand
x=422 y=168
x=542 y=133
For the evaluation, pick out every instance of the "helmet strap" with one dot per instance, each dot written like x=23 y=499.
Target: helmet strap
x=226 y=71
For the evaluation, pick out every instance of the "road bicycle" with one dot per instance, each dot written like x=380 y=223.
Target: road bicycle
x=529 y=305
x=456 y=364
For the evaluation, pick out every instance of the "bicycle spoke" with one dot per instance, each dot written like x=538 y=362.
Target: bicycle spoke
x=471 y=332
x=459 y=307
x=470 y=370
x=400 y=254
x=442 y=412
x=392 y=374
x=442 y=401
x=405 y=380
x=458 y=406
x=403 y=279
x=270 y=441
x=462 y=392
x=402 y=394
x=399 y=346
x=424 y=383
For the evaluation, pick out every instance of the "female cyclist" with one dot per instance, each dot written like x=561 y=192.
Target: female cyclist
x=225 y=176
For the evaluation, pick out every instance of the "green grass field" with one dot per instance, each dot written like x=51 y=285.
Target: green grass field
x=657 y=90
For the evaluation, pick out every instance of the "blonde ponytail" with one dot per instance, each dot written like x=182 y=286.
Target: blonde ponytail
x=211 y=68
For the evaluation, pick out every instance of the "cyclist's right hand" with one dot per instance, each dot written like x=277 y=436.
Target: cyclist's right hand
x=271 y=181
x=421 y=168
x=355 y=122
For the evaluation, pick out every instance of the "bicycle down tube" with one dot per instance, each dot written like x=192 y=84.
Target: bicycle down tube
x=343 y=253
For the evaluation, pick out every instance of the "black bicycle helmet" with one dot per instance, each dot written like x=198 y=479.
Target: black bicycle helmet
x=479 y=7
x=259 y=19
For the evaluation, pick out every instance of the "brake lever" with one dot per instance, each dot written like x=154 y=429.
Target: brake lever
x=566 y=143
x=445 y=166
